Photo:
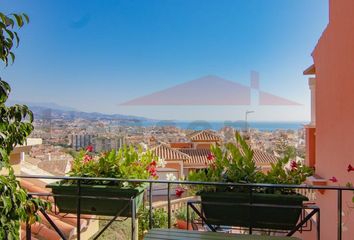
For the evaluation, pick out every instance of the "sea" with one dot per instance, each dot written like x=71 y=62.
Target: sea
x=217 y=125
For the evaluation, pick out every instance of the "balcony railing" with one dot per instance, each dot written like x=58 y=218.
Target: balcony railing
x=171 y=204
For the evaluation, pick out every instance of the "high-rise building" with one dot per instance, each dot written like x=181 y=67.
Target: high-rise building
x=79 y=141
x=104 y=144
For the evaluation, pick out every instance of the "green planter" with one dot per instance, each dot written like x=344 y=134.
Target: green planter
x=101 y=206
x=232 y=214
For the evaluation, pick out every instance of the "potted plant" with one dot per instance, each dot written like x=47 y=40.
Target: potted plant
x=181 y=218
x=233 y=163
x=126 y=163
x=159 y=219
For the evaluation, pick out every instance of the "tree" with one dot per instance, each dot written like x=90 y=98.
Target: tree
x=15 y=127
x=283 y=148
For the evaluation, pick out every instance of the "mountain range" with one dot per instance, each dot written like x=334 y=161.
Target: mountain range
x=43 y=110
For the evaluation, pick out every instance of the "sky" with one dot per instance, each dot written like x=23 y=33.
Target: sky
x=94 y=55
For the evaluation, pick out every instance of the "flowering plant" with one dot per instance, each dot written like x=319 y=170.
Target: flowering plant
x=181 y=214
x=234 y=164
x=350 y=169
x=125 y=163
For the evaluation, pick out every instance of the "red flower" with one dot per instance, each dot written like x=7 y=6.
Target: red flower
x=152 y=170
x=210 y=156
x=153 y=174
x=293 y=165
x=87 y=158
x=179 y=191
x=333 y=179
x=89 y=148
x=350 y=168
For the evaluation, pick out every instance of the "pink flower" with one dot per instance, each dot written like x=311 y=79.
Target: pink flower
x=210 y=156
x=87 y=158
x=293 y=165
x=89 y=148
x=152 y=170
x=179 y=191
x=333 y=179
x=350 y=168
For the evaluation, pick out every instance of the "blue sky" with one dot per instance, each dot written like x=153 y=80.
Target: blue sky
x=93 y=55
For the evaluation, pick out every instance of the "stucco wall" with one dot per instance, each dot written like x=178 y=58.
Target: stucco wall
x=334 y=62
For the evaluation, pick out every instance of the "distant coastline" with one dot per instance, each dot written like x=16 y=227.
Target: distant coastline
x=51 y=110
x=217 y=125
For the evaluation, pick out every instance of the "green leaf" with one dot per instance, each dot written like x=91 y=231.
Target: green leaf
x=9 y=22
x=26 y=17
x=12 y=56
x=10 y=33
x=15 y=127
x=3 y=17
x=4 y=91
x=17 y=39
x=18 y=19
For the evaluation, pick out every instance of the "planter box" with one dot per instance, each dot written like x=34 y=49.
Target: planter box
x=182 y=224
x=256 y=216
x=106 y=207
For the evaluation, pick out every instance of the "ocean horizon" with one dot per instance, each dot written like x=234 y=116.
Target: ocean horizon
x=217 y=125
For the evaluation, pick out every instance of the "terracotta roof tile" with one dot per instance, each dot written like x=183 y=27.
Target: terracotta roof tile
x=198 y=157
x=71 y=219
x=181 y=145
x=41 y=231
x=65 y=222
x=30 y=187
x=311 y=70
x=67 y=229
x=204 y=136
x=263 y=157
x=168 y=153
x=23 y=235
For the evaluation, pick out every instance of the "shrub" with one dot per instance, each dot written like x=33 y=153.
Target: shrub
x=234 y=164
x=159 y=220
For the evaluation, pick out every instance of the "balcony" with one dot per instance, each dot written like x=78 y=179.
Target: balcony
x=309 y=220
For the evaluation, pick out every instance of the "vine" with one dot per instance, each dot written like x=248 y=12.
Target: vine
x=15 y=127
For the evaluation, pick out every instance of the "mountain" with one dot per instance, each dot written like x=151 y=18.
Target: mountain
x=53 y=110
x=41 y=105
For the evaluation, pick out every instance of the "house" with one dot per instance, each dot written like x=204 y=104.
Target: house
x=18 y=154
x=204 y=139
x=174 y=159
x=330 y=134
x=195 y=154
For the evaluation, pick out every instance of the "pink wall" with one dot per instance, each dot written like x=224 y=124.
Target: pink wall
x=310 y=138
x=334 y=62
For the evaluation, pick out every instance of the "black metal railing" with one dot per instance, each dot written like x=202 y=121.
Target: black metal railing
x=251 y=187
